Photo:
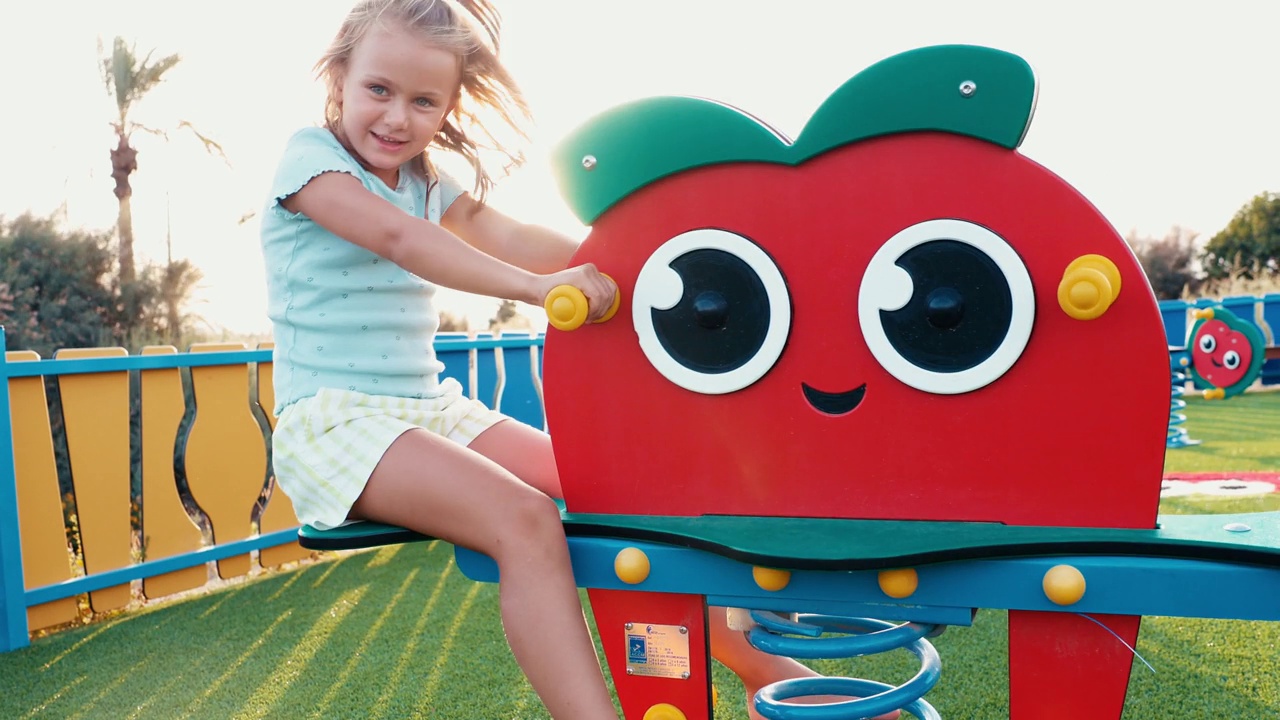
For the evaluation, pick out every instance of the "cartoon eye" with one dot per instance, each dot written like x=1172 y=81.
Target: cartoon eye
x=1231 y=360
x=946 y=306
x=711 y=310
x=1208 y=343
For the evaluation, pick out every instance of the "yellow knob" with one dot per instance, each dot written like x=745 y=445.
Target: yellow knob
x=566 y=307
x=899 y=583
x=631 y=565
x=1090 y=284
x=1064 y=585
x=664 y=711
x=1203 y=314
x=770 y=579
x=1214 y=394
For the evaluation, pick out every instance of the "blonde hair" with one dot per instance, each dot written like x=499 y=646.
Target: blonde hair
x=486 y=83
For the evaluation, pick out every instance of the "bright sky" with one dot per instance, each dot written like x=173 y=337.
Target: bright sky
x=1160 y=115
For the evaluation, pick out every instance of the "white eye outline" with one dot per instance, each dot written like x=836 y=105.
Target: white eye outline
x=886 y=286
x=658 y=287
x=1231 y=360
x=1208 y=343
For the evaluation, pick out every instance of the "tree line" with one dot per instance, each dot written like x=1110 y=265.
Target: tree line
x=1242 y=258
x=62 y=287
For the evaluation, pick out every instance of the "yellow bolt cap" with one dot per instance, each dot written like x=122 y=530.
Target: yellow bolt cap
x=770 y=579
x=1064 y=585
x=664 y=711
x=899 y=583
x=631 y=565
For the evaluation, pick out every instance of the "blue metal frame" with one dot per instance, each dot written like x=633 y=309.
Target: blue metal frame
x=152 y=568
x=14 y=598
x=13 y=610
x=947 y=594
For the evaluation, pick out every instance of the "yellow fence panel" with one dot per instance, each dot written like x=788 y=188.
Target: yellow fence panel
x=278 y=515
x=167 y=530
x=95 y=407
x=46 y=559
x=226 y=455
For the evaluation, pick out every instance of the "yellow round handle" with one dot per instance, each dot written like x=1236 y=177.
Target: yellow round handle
x=1089 y=285
x=566 y=307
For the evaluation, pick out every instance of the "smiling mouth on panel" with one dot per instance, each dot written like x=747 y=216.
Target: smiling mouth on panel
x=834 y=403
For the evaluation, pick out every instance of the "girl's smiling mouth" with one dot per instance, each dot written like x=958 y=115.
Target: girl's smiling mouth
x=387 y=142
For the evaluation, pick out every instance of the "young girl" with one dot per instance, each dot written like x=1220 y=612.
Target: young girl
x=359 y=230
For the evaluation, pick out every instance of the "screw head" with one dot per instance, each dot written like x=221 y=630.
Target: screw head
x=628 y=626
x=630 y=671
x=684 y=630
x=968 y=88
x=589 y=161
x=684 y=675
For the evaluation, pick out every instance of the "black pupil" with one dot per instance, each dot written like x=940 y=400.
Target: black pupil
x=723 y=316
x=711 y=309
x=945 y=308
x=960 y=309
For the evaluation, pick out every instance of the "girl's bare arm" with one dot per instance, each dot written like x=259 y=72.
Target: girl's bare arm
x=339 y=203
x=532 y=247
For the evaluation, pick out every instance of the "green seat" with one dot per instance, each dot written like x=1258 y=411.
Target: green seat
x=356 y=535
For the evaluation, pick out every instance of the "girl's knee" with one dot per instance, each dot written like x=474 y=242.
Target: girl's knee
x=535 y=516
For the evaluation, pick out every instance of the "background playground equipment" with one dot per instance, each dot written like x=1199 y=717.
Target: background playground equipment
x=1261 y=311
x=1223 y=354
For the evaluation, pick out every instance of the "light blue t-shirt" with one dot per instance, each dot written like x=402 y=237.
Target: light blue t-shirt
x=344 y=317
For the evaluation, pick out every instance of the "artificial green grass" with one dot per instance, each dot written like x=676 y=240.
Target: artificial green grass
x=1237 y=435
x=399 y=633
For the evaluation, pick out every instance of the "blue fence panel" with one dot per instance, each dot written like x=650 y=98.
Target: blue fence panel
x=522 y=392
x=487 y=380
x=1271 y=316
x=1245 y=307
x=1174 y=314
x=455 y=356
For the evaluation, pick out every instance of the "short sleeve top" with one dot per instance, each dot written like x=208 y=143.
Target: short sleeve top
x=342 y=316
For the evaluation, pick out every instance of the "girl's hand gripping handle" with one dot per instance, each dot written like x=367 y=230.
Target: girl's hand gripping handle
x=567 y=307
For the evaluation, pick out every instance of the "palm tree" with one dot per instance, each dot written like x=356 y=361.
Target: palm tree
x=129 y=79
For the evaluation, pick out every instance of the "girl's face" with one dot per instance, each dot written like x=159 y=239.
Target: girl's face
x=397 y=92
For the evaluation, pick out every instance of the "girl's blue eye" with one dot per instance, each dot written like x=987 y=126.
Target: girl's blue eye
x=377 y=90
x=424 y=102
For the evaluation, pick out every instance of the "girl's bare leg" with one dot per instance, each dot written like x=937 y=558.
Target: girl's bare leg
x=434 y=486
x=527 y=453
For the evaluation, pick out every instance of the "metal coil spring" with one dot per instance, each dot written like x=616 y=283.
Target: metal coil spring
x=1177 y=436
x=859 y=636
